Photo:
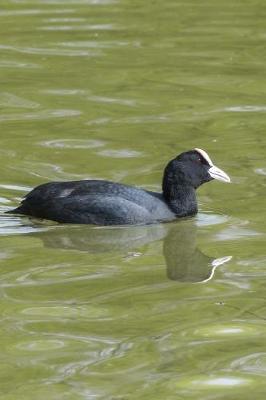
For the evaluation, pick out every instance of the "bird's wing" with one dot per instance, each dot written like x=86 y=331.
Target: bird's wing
x=92 y=209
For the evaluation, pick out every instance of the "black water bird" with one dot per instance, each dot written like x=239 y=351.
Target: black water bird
x=102 y=202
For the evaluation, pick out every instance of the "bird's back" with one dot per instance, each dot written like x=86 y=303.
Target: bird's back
x=96 y=202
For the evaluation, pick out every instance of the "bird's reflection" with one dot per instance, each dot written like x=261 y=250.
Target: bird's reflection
x=184 y=261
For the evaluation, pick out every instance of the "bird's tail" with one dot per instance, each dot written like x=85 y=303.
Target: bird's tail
x=18 y=210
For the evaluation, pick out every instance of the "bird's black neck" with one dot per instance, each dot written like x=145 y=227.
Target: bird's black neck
x=181 y=200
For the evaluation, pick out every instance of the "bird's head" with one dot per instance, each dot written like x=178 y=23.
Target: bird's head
x=193 y=168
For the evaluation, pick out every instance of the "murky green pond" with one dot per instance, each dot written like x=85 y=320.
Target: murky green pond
x=113 y=89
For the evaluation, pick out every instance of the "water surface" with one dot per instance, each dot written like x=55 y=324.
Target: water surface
x=112 y=90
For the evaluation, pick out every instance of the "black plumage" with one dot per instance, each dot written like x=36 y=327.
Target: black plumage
x=107 y=203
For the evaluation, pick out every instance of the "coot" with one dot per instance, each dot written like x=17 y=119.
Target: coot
x=102 y=202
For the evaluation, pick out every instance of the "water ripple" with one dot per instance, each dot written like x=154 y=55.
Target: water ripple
x=142 y=119
x=254 y=363
x=41 y=345
x=67 y=19
x=16 y=187
x=112 y=100
x=11 y=100
x=18 y=64
x=246 y=108
x=64 y=92
x=207 y=219
x=123 y=153
x=87 y=27
x=80 y=2
x=13 y=13
x=86 y=311
x=74 y=143
x=51 y=51
x=101 y=44
x=45 y=114
x=15 y=226
x=236 y=232
x=260 y=171
x=241 y=330
x=54 y=274
x=215 y=382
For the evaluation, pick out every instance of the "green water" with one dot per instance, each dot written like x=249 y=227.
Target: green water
x=112 y=90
